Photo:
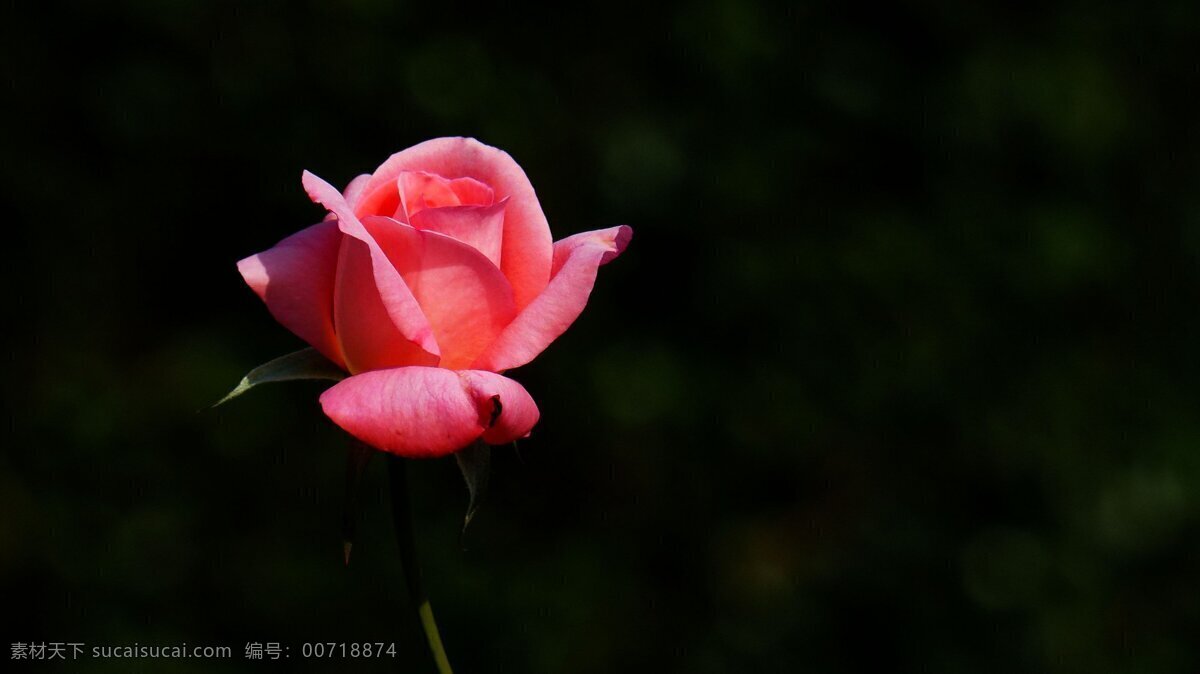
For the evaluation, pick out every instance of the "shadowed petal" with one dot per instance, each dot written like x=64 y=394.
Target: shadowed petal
x=426 y=412
x=296 y=279
x=576 y=261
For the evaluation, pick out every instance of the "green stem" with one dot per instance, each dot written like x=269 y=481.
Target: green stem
x=402 y=521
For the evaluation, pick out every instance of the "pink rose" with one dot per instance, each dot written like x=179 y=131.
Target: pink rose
x=426 y=279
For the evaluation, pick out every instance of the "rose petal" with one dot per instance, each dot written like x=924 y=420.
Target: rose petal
x=528 y=248
x=354 y=189
x=426 y=412
x=420 y=190
x=514 y=414
x=366 y=328
x=480 y=227
x=379 y=200
x=576 y=261
x=375 y=313
x=465 y=297
x=296 y=278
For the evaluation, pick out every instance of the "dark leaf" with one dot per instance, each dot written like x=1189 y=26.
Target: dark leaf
x=303 y=364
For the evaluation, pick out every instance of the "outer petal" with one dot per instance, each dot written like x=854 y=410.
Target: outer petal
x=576 y=260
x=376 y=320
x=480 y=227
x=514 y=412
x=528 y=248
x=368 y=333
x=426 y=412
x=465 y=297
x=296 y=278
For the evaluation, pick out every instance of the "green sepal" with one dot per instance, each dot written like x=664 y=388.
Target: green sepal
x=475 y=462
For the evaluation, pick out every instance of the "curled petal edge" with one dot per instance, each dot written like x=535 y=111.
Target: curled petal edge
x=427 y=412
x=577 y=260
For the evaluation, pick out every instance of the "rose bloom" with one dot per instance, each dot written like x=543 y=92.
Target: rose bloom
x=426 y=279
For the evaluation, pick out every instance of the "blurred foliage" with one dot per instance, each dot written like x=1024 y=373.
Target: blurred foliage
x=898 y=373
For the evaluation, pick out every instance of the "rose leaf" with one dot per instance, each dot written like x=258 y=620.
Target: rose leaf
x=303 y=364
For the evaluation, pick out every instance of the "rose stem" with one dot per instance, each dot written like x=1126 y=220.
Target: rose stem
x=403 y=524
x=357 y=456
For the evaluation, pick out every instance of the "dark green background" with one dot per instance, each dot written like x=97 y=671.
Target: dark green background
x=898 y=373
